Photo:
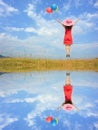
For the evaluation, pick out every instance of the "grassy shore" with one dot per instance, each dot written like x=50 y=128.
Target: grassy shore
x=27 y=65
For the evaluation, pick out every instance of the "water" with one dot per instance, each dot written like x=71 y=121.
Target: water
x=26 y=99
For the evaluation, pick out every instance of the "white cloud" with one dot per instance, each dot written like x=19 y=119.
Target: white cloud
x=31 y=11
x=67 y=6
x=96 y=4
x=86 y=106
x=96 y=28
x=88 y=21
x=85 y=112
x=96 y=125
x=78 y=30
x=48 y=97
x=14 y=29
x=50 y=26
x=40 y=46
x=45 y=102
x=96 y=101
x=44 y=27
x=83 y=82
x=92 y=16
x=77 y=3
x=40 y=98
x=77 y=126
x=85 y=24
x=6 y=10
x=6 y=120
x=67 y=123
x=38 y=79
x=33 y=44
x=93 y=114
x=42 y=31
x=90 y=2
x=48 y=36
x=88 y=17
x=30 y=29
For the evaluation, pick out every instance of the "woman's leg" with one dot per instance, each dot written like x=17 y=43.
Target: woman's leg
x=67 y=80
x=67 y=47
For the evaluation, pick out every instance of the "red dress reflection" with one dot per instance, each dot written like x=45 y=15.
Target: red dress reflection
x=68 y=104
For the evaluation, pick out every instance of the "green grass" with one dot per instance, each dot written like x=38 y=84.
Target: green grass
x=26 y=64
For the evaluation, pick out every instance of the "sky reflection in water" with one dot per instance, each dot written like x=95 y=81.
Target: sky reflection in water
x=26 y=99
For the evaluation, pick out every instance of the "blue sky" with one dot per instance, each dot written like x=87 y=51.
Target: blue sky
x=26 y=99
x=27 y=30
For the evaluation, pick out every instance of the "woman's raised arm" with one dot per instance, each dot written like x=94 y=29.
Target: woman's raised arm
x=76 y=21
x=59 y=21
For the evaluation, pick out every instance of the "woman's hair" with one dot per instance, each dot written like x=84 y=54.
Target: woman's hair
x=68 y=27
x=67 y=101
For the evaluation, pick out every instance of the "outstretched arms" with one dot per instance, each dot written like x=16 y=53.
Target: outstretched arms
x=58 y=108
x=59 y=21
x=76 y=107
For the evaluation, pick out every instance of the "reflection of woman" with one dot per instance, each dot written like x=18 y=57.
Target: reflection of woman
x=68 y=104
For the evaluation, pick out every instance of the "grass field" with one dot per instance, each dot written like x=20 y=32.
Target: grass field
x=27 y=65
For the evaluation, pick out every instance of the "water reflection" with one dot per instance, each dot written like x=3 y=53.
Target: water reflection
x=26 y=99
x=68 y=88
x=2 y=73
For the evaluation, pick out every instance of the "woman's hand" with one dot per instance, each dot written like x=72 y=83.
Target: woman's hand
x=76 y=21
x=58 y=108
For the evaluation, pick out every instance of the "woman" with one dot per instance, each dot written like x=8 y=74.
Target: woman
x=68 y=24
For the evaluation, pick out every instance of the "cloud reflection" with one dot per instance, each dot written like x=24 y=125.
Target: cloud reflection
x=39 y=94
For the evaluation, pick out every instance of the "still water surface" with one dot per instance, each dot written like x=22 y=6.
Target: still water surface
x=27 y=99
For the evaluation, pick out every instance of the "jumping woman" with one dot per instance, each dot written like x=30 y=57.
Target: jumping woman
x=68 y=25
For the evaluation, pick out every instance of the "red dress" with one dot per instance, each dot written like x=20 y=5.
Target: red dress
x=68 y=92
x=68 y=37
